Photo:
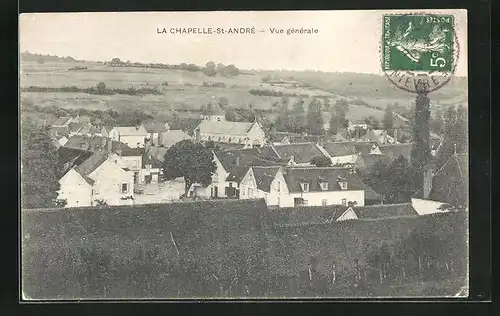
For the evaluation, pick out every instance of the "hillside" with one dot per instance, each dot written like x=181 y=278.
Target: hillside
x=224 y=249
x=192 y=90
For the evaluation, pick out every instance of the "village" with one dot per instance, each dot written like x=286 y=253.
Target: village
x=123 y=165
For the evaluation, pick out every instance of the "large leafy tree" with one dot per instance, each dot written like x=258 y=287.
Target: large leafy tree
x=192 y=161
x=39 y=168
x=455 y=134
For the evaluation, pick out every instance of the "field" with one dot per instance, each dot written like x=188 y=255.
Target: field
x=226 y=248
x=186 y=90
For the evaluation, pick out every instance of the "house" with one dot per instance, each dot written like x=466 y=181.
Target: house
x=394 y=151
x=151 y=170
x=218 y=186
x=96 y=180
x=129 y=159
x=450 y=184
x=314 y=186
x=300 y=153
x=341 y=153
x=216 y=128
x=311 y=215
x=258 y=182
x=379 y=136
x=133 y=136
x=105 y=130
x=342 y=135
x=172 y=137
x=353 y=125
x=155 y=131
x=61 y=125
x=83 y=128
x=385 y=211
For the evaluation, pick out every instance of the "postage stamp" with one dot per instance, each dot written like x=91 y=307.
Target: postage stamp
x=419 y=51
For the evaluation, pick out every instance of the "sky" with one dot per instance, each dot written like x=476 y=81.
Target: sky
x=346 y=41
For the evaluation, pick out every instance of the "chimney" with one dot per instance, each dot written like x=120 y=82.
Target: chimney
x=238 y=160
x=86 y=142
x=109 y=145
x=427 y=187
x=197 y=134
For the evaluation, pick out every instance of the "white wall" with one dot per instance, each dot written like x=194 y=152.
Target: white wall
x=75 y=190
x=279 y=194
x=332 y=197
x=256 y=134
x=424 y=207
x=108 y=180
x=133 y=141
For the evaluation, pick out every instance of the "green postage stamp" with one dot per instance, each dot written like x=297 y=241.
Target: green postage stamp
x=418 y=42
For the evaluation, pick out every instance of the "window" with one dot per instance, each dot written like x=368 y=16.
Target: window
x=324 y=186
x=343 y=185
x=344 y=201
x=305 y=187
x=279 y=186
x=250 y=192
x=124 y=187
x=324 y=202
x=218 y=119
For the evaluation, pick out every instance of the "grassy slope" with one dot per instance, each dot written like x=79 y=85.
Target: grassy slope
x=206 y=235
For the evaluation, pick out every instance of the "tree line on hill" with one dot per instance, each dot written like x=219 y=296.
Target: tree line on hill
x=211 y=69
x=99 y=89
x=41 y=58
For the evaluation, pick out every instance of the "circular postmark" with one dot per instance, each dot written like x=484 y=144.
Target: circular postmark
x=419 y=51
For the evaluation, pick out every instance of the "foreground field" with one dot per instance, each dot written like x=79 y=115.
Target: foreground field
x=232 y=249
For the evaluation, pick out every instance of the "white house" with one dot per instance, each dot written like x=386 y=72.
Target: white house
x=263 y=182
x=216 y=188
x=314 y=186
x=133 y=136
x=216 y=128
x=129 y=159
x=155 y=130
x=96 y=180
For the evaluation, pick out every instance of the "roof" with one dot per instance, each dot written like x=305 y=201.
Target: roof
x=129 y=152
x=154 y=127
x=227 y=146
x=237 y=173
x=131 y=130
x=151 y=160
x=75 y=127
x=340 y=148
x=394 y=151
x=384 y=211
x=186 y=124
x=69 y=157
x=307 y=215
x=264 y=176
x=301 y=152
x=92 y=163
x=172 y=137
x=314 y=175
x=61 y=121
x=364 y=147
x=157 y=152
x=225 y=127
x=367 y=162
x=450 y=183
x=238 y=157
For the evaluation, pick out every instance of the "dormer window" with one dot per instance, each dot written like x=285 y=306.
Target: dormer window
x=323 y=185
x=305 y=186
x=342 y=183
